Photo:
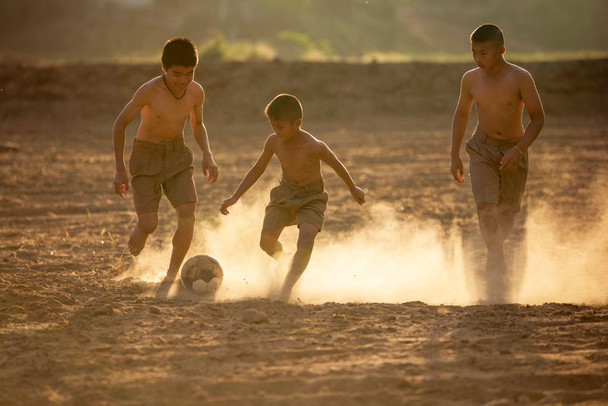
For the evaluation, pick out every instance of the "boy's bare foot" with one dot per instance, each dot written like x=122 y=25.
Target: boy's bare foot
x=137 y=241
x=497 y=283
x=284 y=295
x=167 y=285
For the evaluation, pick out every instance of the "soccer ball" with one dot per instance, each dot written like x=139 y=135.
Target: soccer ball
x=202 y=274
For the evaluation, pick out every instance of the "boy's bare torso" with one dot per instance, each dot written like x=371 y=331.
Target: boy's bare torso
x=498 y=102
x=299 y=157
x=163 y=118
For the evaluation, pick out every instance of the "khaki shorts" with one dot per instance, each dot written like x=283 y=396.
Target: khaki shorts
x=292 y=204
x=491 y=185
x=157 y=167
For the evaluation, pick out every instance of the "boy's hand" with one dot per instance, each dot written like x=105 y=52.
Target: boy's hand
x=210 y=169
x=510 y=161
x=227 y=203
x=358 y=194
x=457 y=169
x=121 y=183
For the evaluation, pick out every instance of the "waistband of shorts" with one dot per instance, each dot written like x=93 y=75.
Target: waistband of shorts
x=484 y=138
x=315 y=186
x=169 y=146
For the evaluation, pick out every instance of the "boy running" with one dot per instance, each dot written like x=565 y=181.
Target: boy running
x=498 y=149
x=300 y=198
x=160 y=161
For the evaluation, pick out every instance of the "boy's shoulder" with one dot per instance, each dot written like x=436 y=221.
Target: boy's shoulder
x=150 y=88
x=471 y=76
x=196 y=87
x=154 y=83
x=197 y=91
x=310 y=137
x=516 y=68
x=312 y=141
x=519 y=71
x=507 y=69
x=471 y=73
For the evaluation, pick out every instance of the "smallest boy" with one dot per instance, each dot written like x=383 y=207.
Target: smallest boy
x=300 y=198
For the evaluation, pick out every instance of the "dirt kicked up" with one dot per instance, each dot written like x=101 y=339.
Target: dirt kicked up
x=387 y=313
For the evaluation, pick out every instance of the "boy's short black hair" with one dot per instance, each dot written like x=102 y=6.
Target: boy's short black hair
x=179 y=51
x=488 y=32
x=284 y=107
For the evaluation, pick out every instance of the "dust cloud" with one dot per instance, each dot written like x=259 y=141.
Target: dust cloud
x=565 y=264
x=387 y=259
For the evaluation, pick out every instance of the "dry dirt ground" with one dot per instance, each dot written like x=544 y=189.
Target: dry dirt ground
x=75 y=330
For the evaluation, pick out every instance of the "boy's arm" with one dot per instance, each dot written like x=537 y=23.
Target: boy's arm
x=534 y=106
x=202 y=139
x=128 y=114
x=330 y=159
x=459 y=125
x=251 y=177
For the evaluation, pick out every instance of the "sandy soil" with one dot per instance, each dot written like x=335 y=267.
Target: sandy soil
x=388 y=312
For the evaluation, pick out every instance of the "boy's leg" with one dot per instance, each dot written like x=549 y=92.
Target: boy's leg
x=146 y=225
x=270 y=244
x=306 y=241
x=493 y=237
x=181 y=243
x=506 y=221
x=182 y=237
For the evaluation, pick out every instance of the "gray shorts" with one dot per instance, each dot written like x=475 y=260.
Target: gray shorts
x=158 y=167
x=489 y=183
x=293 y=204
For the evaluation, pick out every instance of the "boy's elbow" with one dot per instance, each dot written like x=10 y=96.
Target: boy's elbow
x=539 y=119
x=197 y=125
x=119 y=125
x=461 y=114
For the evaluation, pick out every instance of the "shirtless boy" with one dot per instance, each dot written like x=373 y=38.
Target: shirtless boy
x=498 y=149
x=160 y=161
x=300 y=198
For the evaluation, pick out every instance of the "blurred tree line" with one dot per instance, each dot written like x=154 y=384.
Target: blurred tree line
x=291 y=29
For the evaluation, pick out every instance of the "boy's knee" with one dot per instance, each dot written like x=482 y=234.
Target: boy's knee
x=485 y=210
x=186 y=210
x=147 y=226
x=268 y=245
x=269 y=241
x=308 y=233
x=186 y=218
x=185 y=214
x=484 y=207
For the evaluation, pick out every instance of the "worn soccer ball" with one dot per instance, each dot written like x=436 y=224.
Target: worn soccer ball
x=202 y=274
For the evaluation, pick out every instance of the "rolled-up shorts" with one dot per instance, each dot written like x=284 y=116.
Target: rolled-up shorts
x=292 y=204
x=161 y=167
x=489 y=183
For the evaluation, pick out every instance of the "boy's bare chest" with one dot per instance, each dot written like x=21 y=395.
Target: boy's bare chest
x=503 y=94
x=161 y=109
x=297 y=156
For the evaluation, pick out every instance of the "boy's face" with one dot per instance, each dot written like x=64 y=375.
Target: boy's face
x=285 y=129
x=486 y=54
x=179 y=77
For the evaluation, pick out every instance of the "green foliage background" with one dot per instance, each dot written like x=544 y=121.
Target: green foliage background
x=294 y=29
